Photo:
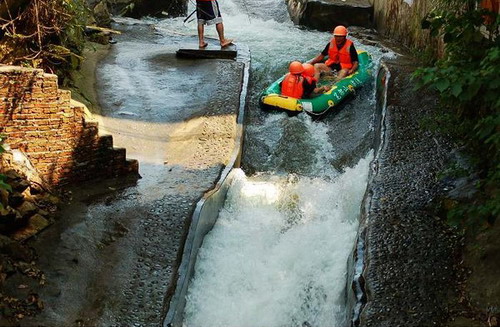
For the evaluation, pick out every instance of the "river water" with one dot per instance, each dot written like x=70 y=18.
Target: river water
x=278 y=253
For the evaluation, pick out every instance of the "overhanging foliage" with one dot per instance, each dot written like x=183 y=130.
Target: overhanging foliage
x=468 y=81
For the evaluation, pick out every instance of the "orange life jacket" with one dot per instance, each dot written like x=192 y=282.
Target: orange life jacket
x=310 y=79
x=292 y=86
x=342 y=55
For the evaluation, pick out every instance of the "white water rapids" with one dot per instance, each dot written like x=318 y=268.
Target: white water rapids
x=278 y=253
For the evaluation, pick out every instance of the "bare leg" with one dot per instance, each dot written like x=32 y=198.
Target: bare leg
x=320 y=68
x=220 y=30
x=342 y=73
x=201 y=37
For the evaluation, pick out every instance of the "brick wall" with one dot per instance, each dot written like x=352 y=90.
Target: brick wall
x=60 y=140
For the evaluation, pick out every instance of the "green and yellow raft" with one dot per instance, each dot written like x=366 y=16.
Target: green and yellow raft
x=271 y=98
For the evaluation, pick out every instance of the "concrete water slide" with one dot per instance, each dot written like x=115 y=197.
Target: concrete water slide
x=207 y=209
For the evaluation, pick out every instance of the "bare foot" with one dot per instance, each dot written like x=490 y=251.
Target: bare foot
x=226 y=42
x=203 y=45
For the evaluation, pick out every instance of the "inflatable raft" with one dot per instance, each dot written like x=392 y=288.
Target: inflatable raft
x=271 y=98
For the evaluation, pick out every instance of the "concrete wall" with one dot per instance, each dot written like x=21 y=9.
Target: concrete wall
x=54 y=132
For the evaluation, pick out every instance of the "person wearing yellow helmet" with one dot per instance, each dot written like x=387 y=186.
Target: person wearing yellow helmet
x=342 y=56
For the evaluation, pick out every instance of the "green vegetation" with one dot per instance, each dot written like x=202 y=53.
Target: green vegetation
x=468 y=81
x=47 y=34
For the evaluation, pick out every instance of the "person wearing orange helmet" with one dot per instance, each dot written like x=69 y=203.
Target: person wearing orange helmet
x=310 y=89
x=300 y=82
x=342 y=56
x=293 y=83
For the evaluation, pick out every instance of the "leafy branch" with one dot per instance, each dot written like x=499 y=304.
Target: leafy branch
x=468 y=82
x=47 y=34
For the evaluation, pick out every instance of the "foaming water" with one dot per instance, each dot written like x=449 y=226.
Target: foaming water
x=277 y=254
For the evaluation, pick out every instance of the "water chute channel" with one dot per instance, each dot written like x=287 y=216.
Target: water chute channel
x=277 y=255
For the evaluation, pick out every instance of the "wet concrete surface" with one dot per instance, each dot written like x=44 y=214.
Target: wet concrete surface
x=410 y=260
x=110 y=258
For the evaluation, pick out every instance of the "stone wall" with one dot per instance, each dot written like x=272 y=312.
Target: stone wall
x=60 y=140
x=324 y=15
x=401 y=20
x=138 y=8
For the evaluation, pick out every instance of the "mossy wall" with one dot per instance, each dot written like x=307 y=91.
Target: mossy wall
x=400 y=20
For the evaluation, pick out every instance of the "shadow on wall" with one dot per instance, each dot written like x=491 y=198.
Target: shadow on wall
x=52 y=130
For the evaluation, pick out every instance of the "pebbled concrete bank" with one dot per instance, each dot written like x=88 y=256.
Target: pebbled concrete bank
x=408 y=276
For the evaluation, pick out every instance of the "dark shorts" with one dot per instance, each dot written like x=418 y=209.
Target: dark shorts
x=335 y=67
x=208 y=12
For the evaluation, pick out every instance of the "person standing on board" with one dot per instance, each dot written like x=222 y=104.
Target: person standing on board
x=342 y=56
x=207 y=12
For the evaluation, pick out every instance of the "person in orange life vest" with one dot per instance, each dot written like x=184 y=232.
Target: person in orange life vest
x=310 y=89
x=207 y=12
x=342 y=56
x=293 y=83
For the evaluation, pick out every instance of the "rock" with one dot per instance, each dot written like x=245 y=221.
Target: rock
x=17 y=251
x=12 y=175
x=8 y=216
x=15 y=199
x=27 y=209
x=4 y=197
x=19 y=185
x=101 y=38
x=102 y=15
x=52 y=199
x=324 y=15
x=43 y=213
x=20 y=163
x=36 y=188
x=140 y=8
x=36 y=223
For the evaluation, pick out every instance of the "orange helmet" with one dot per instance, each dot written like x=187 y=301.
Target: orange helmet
x=308 y=69
x=296 y=67
x=340 y=31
